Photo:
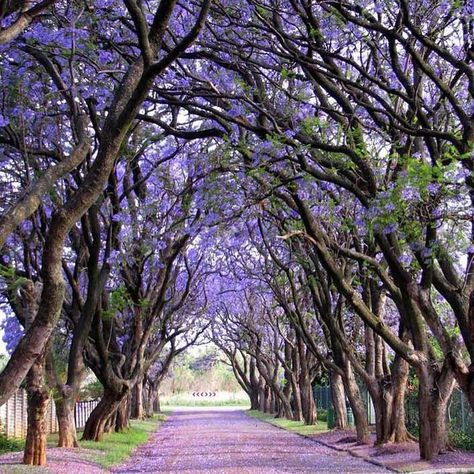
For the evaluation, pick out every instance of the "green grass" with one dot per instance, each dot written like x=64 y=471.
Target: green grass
x=113 y=449
x=221 y=399
x=289 y=425
x=116 y=447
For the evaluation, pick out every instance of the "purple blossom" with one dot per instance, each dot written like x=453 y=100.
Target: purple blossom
x=406 y=258
x=433 y=188
x=390 y=228
x=410 y=193
x=462 y=174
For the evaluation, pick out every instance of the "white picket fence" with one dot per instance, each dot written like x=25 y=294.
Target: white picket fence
x=13 y=415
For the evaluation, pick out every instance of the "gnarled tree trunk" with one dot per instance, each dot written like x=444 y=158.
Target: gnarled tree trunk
x=396 y=430
x=97 y=423
x=433 y=396
x=122 y=422
x=38 y=398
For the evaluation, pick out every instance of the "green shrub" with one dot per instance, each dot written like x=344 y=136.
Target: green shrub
x=10 y=444
x=462 y=440
x=322 y=415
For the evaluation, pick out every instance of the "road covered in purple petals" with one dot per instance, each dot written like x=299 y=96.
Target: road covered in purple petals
x=228 y=441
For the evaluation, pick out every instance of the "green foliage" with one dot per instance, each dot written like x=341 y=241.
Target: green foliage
x=262 y=11
x=286 y=73
x=199 y=371
x=315 y=33
x=10 y=444
x=13 y=281
x=118 y=301
x=462 y=440
x=91 y=390
x=311 y=125
x=322 y=415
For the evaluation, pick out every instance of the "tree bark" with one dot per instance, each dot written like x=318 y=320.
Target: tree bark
x=268 y=400
x=338 y=400
x=97 y=422
x=137 y=411
x=254 y=400
x=67 y=425
x=433 y=396
x=38 y=398
x=397 y=431
x=157 y=404
x=122 y=422
x=357 y=405
x=308 y=406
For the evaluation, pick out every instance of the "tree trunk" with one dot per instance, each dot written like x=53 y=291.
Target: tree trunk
x=261 y=396
x=397 y=431
x=122 y=419
x=111 y=422
x=382 y=401
x=297 y=411
x=156 y=403
x=357 y=405
x=308 y=405
x=97 y=421
x=254 y=400
x=38 y=398
x=150 y=395
x=297 y=407
x=268 y=402
x=254 y=385
x=433 y=396
x=338 y=400
x=137 y=411
x=67 y=425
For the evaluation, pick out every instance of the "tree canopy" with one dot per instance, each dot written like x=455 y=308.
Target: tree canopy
x=291 y=179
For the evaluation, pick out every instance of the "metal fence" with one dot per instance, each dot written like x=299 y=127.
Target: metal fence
x=13 y=415
x=322 y=397
x=460 y=417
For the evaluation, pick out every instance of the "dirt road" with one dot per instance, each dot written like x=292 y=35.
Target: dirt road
x=225 y=441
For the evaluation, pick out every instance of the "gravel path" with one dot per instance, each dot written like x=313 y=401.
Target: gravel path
x=223 y=441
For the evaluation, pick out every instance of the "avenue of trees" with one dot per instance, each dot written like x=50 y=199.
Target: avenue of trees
x=292 y=179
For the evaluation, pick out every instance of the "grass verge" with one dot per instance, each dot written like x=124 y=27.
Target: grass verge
x=116 y=447
x=113 y=449
x=289 y=425
x=187 y=399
